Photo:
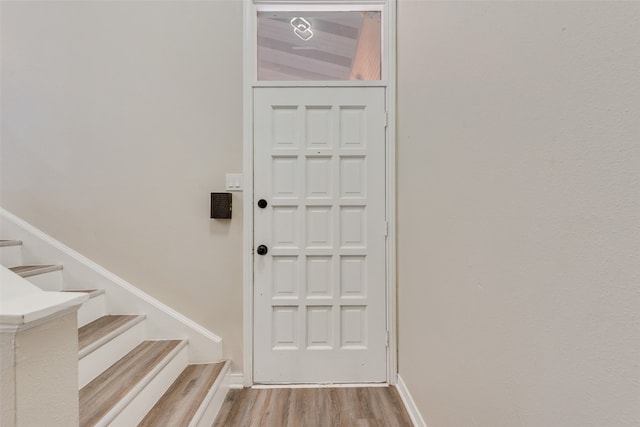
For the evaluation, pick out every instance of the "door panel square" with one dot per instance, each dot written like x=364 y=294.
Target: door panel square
x=318 y=172
x=319 y=328
x=353 y=327
x=352 y=127
x=284 y=176
x=285 y=227
x=285 y=276
x=319 y=130
x=319 y=276
x=353 y=177
x=284 y=126
x=353 y=227
x=285 y=328
x=353 y=272
x=319 y=227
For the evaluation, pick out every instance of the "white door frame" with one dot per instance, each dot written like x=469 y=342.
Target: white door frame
x=249 y=82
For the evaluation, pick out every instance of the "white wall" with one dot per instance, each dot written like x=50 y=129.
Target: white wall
x=118 y=120
x=519 y=212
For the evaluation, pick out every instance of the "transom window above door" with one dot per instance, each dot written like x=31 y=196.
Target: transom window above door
x=318 y=45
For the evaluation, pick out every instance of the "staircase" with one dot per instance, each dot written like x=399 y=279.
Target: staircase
x=139 y=362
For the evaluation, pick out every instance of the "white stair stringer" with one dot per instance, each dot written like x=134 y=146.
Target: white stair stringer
x=120 y=295
x=132 y=408
x=206 y=414
x=97 y=357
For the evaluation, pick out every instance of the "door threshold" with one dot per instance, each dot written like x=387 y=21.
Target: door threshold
x=320 y=385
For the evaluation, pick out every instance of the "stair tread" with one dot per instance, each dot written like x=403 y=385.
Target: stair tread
x=99 y=396
x=4 y=243
x=103 y=326
x=32 y=270
x=180 y=402
x=92 y=292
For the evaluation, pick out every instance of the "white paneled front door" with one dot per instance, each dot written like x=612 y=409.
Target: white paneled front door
x=319 y=235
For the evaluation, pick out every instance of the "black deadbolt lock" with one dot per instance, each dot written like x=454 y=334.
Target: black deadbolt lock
x=262 y=250
x=262 y=203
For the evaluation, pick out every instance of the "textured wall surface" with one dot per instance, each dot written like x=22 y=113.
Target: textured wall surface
x=7 y=379
x=519 y=212
x=118 y=120
x=47 y=403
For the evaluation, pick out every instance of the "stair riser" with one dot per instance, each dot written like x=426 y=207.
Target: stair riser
x=94 y=363
x=51 y=281
x=135 y=411
x=91 y=310
x=10 y=256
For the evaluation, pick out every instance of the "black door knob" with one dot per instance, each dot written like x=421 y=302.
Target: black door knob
x=262 y=250
x=262 y=203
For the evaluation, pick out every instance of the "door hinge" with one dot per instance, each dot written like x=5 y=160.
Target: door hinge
x=386 y=228
x=386 y=118
x=387 y=338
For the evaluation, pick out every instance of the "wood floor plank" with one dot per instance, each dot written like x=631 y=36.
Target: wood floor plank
x=100 y=395
x=314 y=407
x=261 y=406
x=278 y=408
x=179 y=404
x=305 y=401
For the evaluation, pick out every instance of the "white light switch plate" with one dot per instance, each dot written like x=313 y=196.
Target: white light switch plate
x=233 y=182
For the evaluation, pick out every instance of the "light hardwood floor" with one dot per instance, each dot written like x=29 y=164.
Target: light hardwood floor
x=313 y=407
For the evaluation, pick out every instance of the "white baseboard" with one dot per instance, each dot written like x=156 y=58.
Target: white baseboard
x=410 y=405
x=236 y=380
x=320 y=385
